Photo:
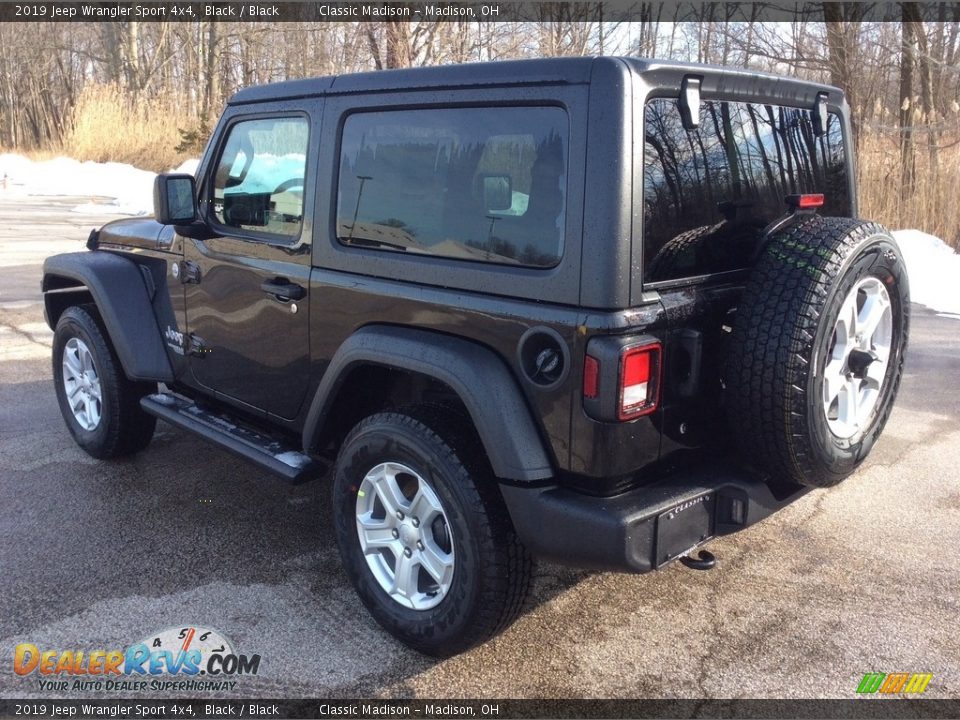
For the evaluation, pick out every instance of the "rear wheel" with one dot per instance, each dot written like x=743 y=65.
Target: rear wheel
x=817 y=348
x=100 y=406
x=423 y=532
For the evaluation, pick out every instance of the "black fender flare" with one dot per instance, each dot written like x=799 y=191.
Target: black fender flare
x=478 y=376
x=120 y=292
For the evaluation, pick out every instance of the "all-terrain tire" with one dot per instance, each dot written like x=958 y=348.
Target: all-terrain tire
x=492 y=569
x=122 y=427
x=784 y=335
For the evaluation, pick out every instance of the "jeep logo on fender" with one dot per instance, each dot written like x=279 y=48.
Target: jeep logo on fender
x=174 y=339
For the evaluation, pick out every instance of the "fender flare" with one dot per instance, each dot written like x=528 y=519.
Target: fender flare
x=478 y=376
x=118 y=288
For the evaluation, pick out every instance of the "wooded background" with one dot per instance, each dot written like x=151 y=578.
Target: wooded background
x=148 y=93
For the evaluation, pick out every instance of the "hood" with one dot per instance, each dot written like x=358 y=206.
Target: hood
x=131 y=232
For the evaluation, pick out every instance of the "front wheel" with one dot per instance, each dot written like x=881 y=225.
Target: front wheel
x=424 y=535
x=100 y=406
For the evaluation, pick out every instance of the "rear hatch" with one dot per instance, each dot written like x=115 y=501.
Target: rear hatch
x=708 y=192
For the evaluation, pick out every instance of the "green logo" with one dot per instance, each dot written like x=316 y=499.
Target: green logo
x=894 y=683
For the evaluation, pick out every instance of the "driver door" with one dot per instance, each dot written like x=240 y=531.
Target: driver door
x=246 y=286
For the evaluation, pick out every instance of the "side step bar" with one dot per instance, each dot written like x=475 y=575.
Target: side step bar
x=267 y=452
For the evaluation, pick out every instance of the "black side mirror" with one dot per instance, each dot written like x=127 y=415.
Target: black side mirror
x=175 y=199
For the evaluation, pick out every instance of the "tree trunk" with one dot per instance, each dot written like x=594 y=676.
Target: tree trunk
x=133 y=55
x=926 y=92
x=907 y=161
x=842 y=36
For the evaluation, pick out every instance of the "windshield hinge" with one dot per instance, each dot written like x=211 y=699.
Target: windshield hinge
x=820 y=114
x=690 y=102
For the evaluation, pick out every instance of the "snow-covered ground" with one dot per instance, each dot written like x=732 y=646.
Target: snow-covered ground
x=934 y=270
x=934 y=267
x=125 y=190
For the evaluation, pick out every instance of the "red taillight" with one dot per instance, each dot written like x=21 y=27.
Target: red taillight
x=639 y=381
x=804 y=202
x=591 y=377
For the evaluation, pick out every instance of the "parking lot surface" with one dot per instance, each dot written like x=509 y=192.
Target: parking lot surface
x=860 y=578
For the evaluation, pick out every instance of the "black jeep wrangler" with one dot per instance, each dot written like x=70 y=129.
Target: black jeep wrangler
x=593 y=310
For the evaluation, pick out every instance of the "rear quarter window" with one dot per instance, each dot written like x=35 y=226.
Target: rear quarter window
x=709 y=192
x=479 y=184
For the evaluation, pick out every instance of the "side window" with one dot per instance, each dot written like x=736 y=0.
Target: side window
x=709 y=192
x=481 y=184
x=259 y=179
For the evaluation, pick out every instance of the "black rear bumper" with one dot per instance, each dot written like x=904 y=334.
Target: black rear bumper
x=643 y=529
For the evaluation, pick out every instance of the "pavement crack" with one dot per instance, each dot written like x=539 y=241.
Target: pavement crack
x=716 y=631
x=25 y=335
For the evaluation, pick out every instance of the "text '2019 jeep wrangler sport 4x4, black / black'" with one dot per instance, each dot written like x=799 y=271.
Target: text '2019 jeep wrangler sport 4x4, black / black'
x=593 y=310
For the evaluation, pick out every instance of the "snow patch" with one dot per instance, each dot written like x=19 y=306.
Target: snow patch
x=129 y=190
x=188 y=166
x=934 y=271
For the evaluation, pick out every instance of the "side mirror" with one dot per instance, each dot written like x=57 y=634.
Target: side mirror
x=497 y=192
x=175 y=199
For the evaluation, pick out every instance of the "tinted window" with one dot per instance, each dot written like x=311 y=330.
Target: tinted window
x=708 y=192
x=259 y=180
x=483 y=184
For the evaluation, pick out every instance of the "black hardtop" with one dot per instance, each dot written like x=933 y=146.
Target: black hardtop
x=545 y=71
x=485 y=74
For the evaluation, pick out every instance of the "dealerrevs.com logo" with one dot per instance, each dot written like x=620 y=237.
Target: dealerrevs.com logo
x=182 y=659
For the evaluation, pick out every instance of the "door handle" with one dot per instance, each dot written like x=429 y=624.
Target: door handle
x=283 y=290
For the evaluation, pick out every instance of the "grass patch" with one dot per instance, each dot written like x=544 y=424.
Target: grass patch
x=106 y=127
x=930 y=205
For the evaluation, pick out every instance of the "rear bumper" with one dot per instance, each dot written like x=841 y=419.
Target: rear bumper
x=643 y=529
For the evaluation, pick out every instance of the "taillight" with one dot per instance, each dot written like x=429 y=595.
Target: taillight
x=639 y=390
x=621 y=377
x=591 y=377
x=806 y=201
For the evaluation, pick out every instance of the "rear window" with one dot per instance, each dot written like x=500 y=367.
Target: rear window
x=709 y=192
x=482 y=184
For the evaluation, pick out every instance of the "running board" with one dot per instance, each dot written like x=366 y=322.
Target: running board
x=262 y=450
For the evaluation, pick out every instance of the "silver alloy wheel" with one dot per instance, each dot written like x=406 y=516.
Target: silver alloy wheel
x=81 y=384
x=857 y=359
x=405 y=536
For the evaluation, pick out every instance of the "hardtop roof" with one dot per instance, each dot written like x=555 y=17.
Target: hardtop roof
x=546 y=71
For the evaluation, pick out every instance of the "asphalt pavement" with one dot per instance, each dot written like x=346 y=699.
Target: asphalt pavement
x=860 y=578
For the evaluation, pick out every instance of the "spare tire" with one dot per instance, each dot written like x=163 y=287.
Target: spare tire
x=817 y=347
